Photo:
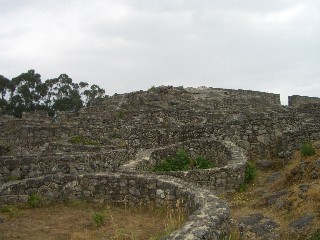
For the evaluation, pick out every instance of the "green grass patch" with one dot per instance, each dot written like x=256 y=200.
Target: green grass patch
x=249 y=176
x=98 y=219
x=34 y=200
x=83 y=141
x=315 y=235
x=307 y=149
x=182 y=162
x=11 y=210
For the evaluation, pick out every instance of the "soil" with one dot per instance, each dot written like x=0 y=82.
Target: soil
x=75 y=222
x=283 y=202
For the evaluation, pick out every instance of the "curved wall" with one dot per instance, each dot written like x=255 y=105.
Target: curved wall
x=229 y=158
x=208 y=216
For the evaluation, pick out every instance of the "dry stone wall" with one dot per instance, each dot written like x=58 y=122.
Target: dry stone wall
x=296 y=100
x=21 y=167
x=208 y=216
x=229 y=159
x=135 y=130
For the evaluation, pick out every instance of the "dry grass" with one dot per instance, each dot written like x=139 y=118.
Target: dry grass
x=296 y=204
x=75 y=222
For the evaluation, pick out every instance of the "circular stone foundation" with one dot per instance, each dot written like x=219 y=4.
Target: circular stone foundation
x=208 y=216
x=229 y=159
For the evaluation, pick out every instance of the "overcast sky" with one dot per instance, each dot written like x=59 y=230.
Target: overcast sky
x=128 y=45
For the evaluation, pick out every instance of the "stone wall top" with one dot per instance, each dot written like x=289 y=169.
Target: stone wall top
x=297 y=100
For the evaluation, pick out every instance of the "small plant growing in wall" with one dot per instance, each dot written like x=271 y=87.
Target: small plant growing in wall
x=249 y=176
x=98 y=219
x=307 y=149
x=182 y=162
x=83 y=141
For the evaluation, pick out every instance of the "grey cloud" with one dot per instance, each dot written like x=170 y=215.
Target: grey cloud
x=129 y=45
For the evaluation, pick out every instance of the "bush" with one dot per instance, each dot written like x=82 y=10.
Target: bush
x=203 y=163
x=307 y=149
x=98 y=219
x=34 y=200
x=182 y=162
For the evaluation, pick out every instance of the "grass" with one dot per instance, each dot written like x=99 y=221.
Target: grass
x=182 y=162
x=83 y=140
x=80 y=220
x=307 y=149
x=98 y=219
x=34 y=200
x=11 y=178
x=315 y=235
x=295 y=205
x=10 y=210
x=250 y=175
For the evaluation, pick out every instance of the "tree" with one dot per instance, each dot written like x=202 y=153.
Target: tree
x=4 y=86
x=95 y=92
x=63 y=94
x=29 y=89
x=28 y=93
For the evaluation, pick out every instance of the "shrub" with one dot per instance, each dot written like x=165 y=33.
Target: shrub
x=98 y=219
x=203 y=163
x=182 y=162
x=307 y=149
x=34 y=200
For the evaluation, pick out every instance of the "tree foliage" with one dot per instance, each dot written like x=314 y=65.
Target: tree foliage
x=27 y=92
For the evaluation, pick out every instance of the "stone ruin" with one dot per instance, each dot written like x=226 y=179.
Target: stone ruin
x=122 y=137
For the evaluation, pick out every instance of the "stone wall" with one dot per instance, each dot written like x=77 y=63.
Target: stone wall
x=164 y=116
x=30 y=166
x=240 y=96
x=147 y=126
x=38 y=116
x=260 y=134
x=208 y=216
x=296 y=100
x=230 y=162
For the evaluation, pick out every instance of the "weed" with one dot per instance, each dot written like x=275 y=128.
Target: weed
x=11 y=210
x=182 y=162
x=115 y=133
x=12 y=178
x=98 y=219
x=34 y=200
x=315 y=235
x=83 y=141
x=250 y=173
x=307 y=149
x=249 y=176
x=243 y=187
